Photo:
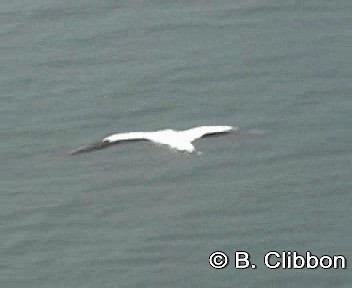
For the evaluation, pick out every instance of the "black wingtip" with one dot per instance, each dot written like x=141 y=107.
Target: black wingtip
x=90 y=147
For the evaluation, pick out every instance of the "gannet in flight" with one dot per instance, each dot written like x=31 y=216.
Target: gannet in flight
x=178 y=140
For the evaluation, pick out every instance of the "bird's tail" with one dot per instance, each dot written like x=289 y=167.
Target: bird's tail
x=90 y=147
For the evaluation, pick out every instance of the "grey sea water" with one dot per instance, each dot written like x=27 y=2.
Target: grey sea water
x=139 y=215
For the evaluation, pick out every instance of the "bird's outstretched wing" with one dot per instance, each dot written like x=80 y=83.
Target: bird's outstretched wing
x=203 y=131
x=129 y=136
x=90 y=147
x=112 y=140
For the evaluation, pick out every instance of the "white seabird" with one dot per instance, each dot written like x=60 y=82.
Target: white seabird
x=178 y=140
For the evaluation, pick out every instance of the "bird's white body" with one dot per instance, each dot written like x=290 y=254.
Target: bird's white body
x=179 y=140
